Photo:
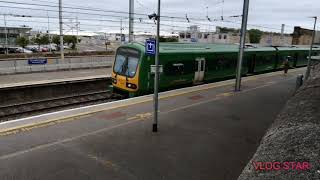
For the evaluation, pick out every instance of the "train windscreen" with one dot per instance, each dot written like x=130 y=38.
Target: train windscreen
x=126 y=62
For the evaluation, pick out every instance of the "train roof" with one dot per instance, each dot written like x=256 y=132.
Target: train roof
x=168 y=48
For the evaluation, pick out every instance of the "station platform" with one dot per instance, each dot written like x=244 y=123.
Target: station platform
x=205 y=132
x=14 y=80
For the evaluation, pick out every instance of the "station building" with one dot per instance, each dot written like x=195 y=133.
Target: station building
x=193 y=34
x=13 y=33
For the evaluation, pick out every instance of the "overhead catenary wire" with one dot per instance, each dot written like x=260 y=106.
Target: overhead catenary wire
x=86 y=9
x=199 y=23
x=86 y=25
x=115 y=16
x=182 y=21
x=104 y=20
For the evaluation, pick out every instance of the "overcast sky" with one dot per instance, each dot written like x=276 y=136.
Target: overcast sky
x=267 y=15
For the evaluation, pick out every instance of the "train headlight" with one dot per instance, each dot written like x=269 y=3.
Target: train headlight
x=131 y=86
x=114 y=81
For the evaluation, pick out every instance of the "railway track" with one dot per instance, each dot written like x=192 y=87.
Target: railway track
x=12 y=111
x=27 y=100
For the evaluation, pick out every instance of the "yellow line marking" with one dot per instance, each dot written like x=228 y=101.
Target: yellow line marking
x=17 y=129
x=132 y=118
x=40 y=124
x=271 y=82
x=225 y=94
x=141 y=116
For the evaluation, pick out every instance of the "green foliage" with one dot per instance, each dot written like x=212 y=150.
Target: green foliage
x=227 y=30
x=22 y=41
x=73 y=40
x=40 y=39
x=66 y=39
x=255 y=35
x=56 y=39
x=168 y=39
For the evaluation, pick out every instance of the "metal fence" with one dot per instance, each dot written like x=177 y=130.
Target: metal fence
x=12 y=66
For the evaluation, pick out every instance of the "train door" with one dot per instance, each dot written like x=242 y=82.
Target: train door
x=199 y=70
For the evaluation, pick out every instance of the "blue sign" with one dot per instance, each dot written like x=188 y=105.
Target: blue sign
x=194 y=40
x=38 y=61
x=150 y=47
x=123 y=38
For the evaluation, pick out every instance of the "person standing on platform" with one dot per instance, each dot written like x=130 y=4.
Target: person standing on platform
x=286 y=65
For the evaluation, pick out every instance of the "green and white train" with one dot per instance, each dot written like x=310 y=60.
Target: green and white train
x=186 y=64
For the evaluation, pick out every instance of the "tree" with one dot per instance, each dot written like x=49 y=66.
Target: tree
x=22 y=41
x=168 y=39
x=255 y=35
x=71 y=40
x=45 y=39
x=228 y=30
x=66 y=39
x=56 y=40
x=41 y=39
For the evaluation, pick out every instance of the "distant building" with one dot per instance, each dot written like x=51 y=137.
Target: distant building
x=275 y=39
x=13 y=33
x=140 y=36
x=302 y=36
x=317 y=37
x=221 y=35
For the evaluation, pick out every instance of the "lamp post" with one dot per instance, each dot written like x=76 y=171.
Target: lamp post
x=61 y=30
x=156 y=76
x=6 y=34
x=311 y=46
x=131 y=19
x=242 y=43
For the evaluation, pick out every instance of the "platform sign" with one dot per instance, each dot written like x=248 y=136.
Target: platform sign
x=153 y=69
x=150 y=46
x=38 y=61
x=194 y=40
x=123 y=38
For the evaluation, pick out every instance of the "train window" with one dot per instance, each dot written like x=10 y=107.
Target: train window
x=118 y=65
x=174 y=69
x=126 y=62
x=225 y=37
x=188 y=35
x=132 y=66
x=220 y=63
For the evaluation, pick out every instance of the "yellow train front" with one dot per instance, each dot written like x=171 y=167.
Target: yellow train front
x=125 y=71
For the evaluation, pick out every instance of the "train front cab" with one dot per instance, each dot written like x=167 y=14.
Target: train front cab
x=125 y=72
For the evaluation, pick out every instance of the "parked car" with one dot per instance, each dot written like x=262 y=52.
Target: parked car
x=2 y=50
x=34 y=49
x=24 y=50
x=44 y=49
x=13 y=50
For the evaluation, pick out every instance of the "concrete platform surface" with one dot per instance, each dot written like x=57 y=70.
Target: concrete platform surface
x=206 y=132
x=44 y=77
